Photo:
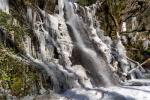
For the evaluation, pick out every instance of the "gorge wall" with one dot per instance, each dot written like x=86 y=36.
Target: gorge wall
x=62 y=44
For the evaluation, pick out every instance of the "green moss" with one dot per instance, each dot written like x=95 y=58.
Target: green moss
x=136 y=51
x=18 y=31
x=86 y=2
x=15 y=75
x=3 y=97
x=147 y=51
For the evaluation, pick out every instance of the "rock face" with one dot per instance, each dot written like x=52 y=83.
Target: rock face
x=69 y=49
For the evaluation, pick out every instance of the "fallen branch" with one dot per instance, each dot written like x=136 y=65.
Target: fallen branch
x=139 y=65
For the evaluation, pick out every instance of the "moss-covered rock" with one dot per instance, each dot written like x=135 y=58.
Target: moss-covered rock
x=15 y=31
x=3 y=97
x=15 y=75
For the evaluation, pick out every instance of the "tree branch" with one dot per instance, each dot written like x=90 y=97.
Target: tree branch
x=139 y=65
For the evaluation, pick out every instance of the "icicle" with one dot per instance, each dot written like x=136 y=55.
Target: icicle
x=29 y=14
x=27 y=45
x=122 y=57
x=61 y=7
x=124 y=39
x=124 y=29
x=134 y=23
x=4 y=6
x=146 y=44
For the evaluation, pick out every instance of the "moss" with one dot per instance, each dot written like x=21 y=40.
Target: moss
x=15 y=75
x=3 y=97
x=86 y=2
x=16 y=31
x=147 y=51
x=136 y=51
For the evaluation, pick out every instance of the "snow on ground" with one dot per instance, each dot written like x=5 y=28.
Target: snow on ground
x=133 y=92
x=139 y=92
x=112 y=93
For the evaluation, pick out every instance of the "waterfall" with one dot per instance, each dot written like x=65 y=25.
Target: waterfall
x=46 y=31
x=68 y=49
x=73 y=20
x=4 y=6
x=122 y=58
x=50 y=48
x=89 y=58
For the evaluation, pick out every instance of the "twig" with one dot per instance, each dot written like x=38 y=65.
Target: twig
x=139 y=65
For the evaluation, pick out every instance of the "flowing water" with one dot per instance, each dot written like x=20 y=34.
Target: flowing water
x=89 y=57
